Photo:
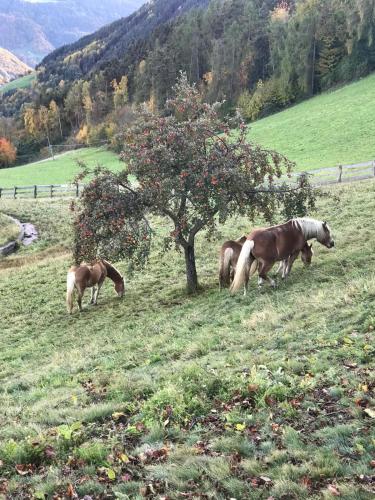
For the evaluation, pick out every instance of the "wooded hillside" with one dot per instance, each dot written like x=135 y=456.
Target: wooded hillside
x=258 y=55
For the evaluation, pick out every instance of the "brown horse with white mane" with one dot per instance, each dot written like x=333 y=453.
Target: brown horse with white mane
x=91 y=276
x=229 y=253
x=277 y=243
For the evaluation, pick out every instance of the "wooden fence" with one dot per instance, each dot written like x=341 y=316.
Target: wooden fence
x=42 y=191
x=318 y=177
x=341 y=173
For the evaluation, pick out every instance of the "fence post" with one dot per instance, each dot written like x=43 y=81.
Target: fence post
x=77 y=189
x=373 y=166
x=51 y=190
x=35 y=191
x=15 y=192
x=340 y=173
x=0 y=191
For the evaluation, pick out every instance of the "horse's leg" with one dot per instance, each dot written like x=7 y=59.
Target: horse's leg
x=284 y=265
x=281 y=267
x=93 y=289
x=80 y=291
x=232 y=271
x=291 y=260
x=265 y=268
x=99 y=285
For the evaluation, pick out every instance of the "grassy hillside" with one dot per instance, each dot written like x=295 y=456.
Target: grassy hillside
x=335 y=127
x=20 y=83
x=211 y=396
x=62 y=170
x=10 y=66
x=9 y=231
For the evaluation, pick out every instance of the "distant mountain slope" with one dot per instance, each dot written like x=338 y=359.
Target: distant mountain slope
x=11 y=67
x=32 y=29
x=111 y=42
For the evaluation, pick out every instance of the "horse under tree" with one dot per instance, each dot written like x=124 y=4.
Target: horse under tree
x=193 y=167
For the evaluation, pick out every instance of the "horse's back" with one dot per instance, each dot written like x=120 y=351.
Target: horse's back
x=276 y=242
x=234 y=245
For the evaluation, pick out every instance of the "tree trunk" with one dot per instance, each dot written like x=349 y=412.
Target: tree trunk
x=191 y=272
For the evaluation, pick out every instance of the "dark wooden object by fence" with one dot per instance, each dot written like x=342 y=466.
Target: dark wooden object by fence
x=340 y=174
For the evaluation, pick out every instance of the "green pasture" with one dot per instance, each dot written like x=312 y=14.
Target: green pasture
x=165 y=395
x=333 y=128
x=9 y=230
x=20 y=83
x=62 y=170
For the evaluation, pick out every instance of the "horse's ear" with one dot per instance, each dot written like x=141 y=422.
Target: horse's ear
x=324 y=223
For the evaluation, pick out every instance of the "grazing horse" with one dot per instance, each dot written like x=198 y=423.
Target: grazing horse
x=85 y=276
x=286 y=265
x=277 y=243
x=229 y=253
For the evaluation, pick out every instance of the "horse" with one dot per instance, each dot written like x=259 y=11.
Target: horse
x=277 y=243
x=286 y=265
x=229 y=253
x=85 y=276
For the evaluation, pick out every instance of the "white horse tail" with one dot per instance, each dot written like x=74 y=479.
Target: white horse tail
x=224 y=272
x=241 y=275
x=70 y=284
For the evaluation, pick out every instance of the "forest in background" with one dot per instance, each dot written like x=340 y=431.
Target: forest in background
x=258 y=55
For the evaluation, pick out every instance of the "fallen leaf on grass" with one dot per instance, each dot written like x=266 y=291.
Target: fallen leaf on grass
x=3 y=486
x=111 y=474
x=106 y=474
x=265 y=479
x=147 y=490
x=269 y=401
x=49 y=451
x=333 y=490
x=370 y=412
x=124 y=458
x=240 y=427
x=149 y=456
x=70 y=491
x=252 y=387
x=24 y=469
x=306 y=481
x=118 y=416
x=363 y=402
x=351 y=365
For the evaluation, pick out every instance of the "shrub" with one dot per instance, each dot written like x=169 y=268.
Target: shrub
x=267 y=98
x=7 y=153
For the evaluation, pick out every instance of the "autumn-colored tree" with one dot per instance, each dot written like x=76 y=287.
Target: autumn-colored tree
x=120 y=92
x=8 y=153
x=191 y=169
x=31 y=121
x=87 y=102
